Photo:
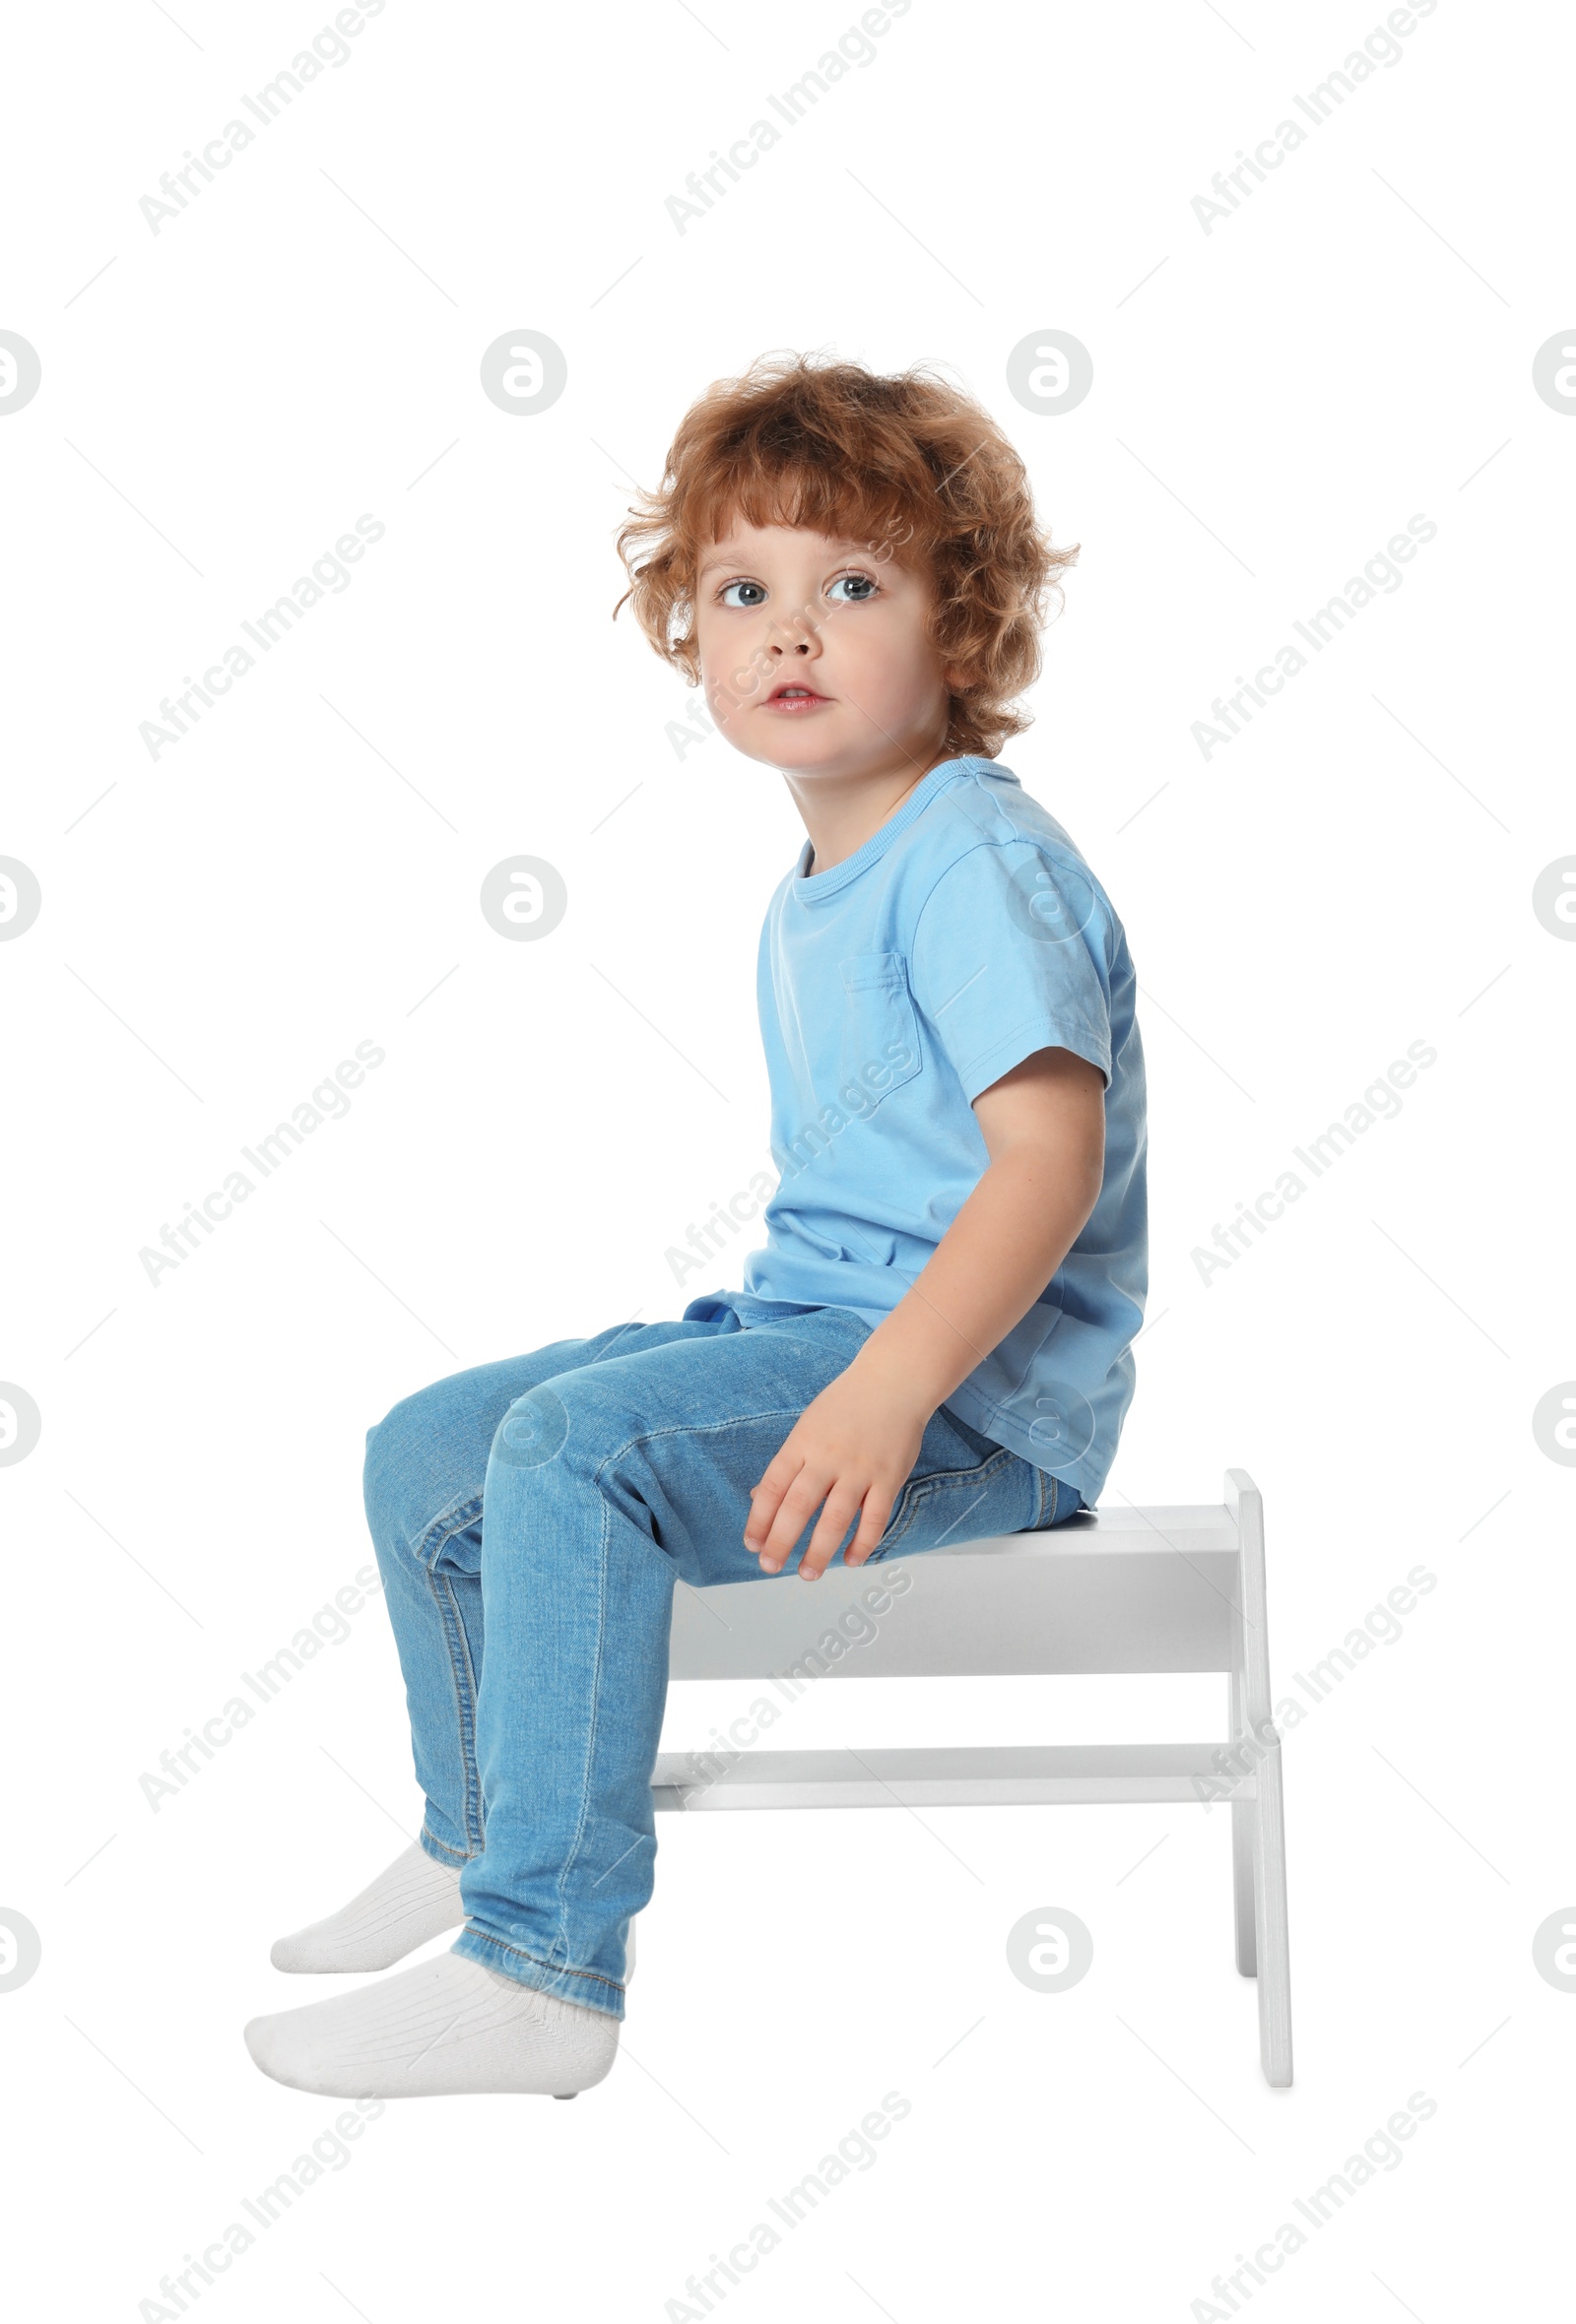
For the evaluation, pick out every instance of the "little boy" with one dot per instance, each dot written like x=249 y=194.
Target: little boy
x=934 y=1346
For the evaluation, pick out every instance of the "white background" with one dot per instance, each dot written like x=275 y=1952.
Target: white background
x=1271 y=400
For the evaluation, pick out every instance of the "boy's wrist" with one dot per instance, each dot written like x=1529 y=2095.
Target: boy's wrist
x=900 y=1372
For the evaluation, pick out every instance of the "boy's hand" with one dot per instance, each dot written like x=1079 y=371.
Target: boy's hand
x=852 y=1451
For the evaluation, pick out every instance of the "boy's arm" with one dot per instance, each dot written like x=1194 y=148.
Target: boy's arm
x=853 y=1448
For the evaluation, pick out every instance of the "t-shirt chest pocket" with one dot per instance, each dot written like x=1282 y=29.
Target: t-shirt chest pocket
x=880 y=1046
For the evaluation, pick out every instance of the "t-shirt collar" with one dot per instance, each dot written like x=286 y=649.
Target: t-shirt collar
x=812 y=888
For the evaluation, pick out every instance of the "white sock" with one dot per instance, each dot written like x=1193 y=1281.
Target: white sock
x=444 y=2028
x=412 y=1899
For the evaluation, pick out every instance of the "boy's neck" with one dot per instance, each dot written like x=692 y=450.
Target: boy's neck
x=840 y=812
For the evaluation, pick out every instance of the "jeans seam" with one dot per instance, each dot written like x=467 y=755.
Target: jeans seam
x=920 y=1490
x=427 y=1551
x=808 y=1339
x=639 y=1437
x=907 y=1510
x=475 y=1828
x=459 y=1856
x=486 y=1937
x=561 y=1938
x=454 y=1639
x=684 y=1428
x=691 y=1428
x=441 y=1528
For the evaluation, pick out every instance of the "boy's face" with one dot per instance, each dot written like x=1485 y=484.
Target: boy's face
x=814 y=656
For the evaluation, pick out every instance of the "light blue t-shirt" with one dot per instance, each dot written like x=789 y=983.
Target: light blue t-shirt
x=964 y=934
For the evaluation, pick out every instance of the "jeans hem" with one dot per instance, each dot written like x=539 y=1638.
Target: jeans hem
x=440 y=1850
x=581 y=1985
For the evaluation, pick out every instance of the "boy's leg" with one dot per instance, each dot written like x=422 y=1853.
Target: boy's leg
x=423 y=1479
x=423 y=1485
x=605 y=1485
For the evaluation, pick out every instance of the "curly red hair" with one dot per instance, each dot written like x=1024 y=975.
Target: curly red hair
x=905 y=462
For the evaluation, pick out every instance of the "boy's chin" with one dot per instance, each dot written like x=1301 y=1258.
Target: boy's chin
x=793 y=754
x=810 y=758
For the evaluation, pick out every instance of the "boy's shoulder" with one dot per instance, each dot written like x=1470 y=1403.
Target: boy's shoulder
x=981 y=834
x=974 y=851
x=984 y=804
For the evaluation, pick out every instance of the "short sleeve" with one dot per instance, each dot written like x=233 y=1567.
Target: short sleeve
x=1010 y=955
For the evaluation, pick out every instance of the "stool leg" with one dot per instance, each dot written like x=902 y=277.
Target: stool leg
x=1271 y=1930
x=1243 y=1814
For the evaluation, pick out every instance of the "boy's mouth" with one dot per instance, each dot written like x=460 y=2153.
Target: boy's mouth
x=792 y=698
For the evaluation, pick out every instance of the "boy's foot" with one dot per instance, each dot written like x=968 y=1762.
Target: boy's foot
x=414 y=1898
x=444 y=2028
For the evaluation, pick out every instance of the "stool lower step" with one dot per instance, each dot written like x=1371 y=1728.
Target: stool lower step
x=1124 y=1592
x=1016 y=1775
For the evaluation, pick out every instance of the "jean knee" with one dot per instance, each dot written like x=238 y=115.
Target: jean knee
x=394 y=1470
x=380 y=1465
x=537 y=1425
x=588 y=1427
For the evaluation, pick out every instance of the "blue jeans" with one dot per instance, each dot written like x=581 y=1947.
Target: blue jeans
x=551 y=1500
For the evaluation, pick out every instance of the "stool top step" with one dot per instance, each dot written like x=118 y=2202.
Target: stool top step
x=1125 y=1590
x=1119 y=1527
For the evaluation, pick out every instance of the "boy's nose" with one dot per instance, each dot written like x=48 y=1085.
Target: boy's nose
x=796 y=636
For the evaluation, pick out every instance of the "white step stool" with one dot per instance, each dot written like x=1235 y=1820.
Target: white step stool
x=1134 y=1590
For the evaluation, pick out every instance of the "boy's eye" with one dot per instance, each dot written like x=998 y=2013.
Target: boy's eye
x=754 y=595
x=858 y=587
